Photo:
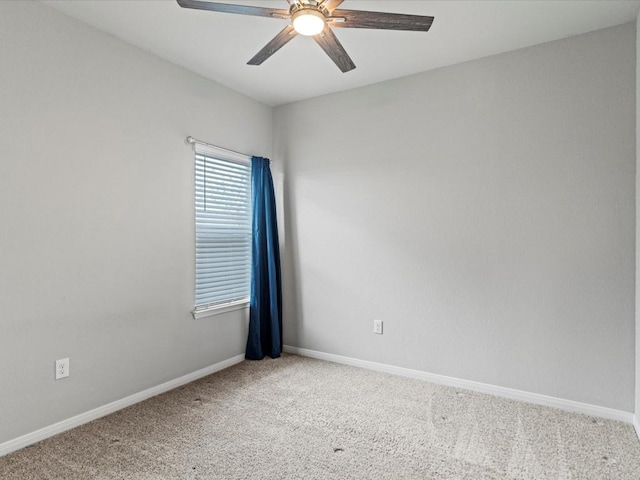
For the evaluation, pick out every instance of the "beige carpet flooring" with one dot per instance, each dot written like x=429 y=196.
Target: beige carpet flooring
x=299 y=418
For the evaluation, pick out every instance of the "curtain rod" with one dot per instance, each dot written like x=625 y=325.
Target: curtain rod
x=192 y=141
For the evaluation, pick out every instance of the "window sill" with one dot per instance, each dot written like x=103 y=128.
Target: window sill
x=220 y=309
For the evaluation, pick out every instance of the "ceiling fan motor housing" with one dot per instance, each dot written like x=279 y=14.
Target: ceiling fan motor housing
x=300 y=4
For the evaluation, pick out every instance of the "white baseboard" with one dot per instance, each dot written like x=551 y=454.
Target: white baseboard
x=64 y=425
x=636 y=425
x=535 y=398
x=568 y=405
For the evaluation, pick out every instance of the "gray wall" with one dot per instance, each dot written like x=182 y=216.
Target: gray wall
x=637 y=405
x=96 y=209
x=485 y=212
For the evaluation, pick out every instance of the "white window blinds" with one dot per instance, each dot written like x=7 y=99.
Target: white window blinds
x=223 y=229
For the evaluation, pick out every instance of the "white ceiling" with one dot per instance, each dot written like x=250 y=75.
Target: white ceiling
x=218 y=45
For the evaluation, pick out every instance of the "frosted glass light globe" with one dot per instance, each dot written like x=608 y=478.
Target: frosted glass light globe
x=308 y=22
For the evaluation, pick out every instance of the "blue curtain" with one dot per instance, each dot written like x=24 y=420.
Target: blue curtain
x=265 y=314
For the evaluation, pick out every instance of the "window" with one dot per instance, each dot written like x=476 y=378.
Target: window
x=223 y=230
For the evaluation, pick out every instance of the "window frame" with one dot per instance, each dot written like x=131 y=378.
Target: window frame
x=217 y=153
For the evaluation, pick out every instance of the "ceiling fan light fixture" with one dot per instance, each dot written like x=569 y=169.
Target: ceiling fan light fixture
x=316 y=18
x=308 y=22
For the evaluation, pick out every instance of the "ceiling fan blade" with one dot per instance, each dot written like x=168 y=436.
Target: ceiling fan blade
x=232 y=8
x=380 y=20
x=273 y=46
x=332 y=47
x=331 y=5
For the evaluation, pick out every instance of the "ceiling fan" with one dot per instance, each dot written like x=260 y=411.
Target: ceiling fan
x=316 y=18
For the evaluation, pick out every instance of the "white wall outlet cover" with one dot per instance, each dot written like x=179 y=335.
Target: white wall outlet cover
x=62 y=368
x=377 y=326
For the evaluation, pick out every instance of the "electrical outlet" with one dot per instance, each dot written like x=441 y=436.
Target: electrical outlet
x=62 y=368
x=377 y=326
